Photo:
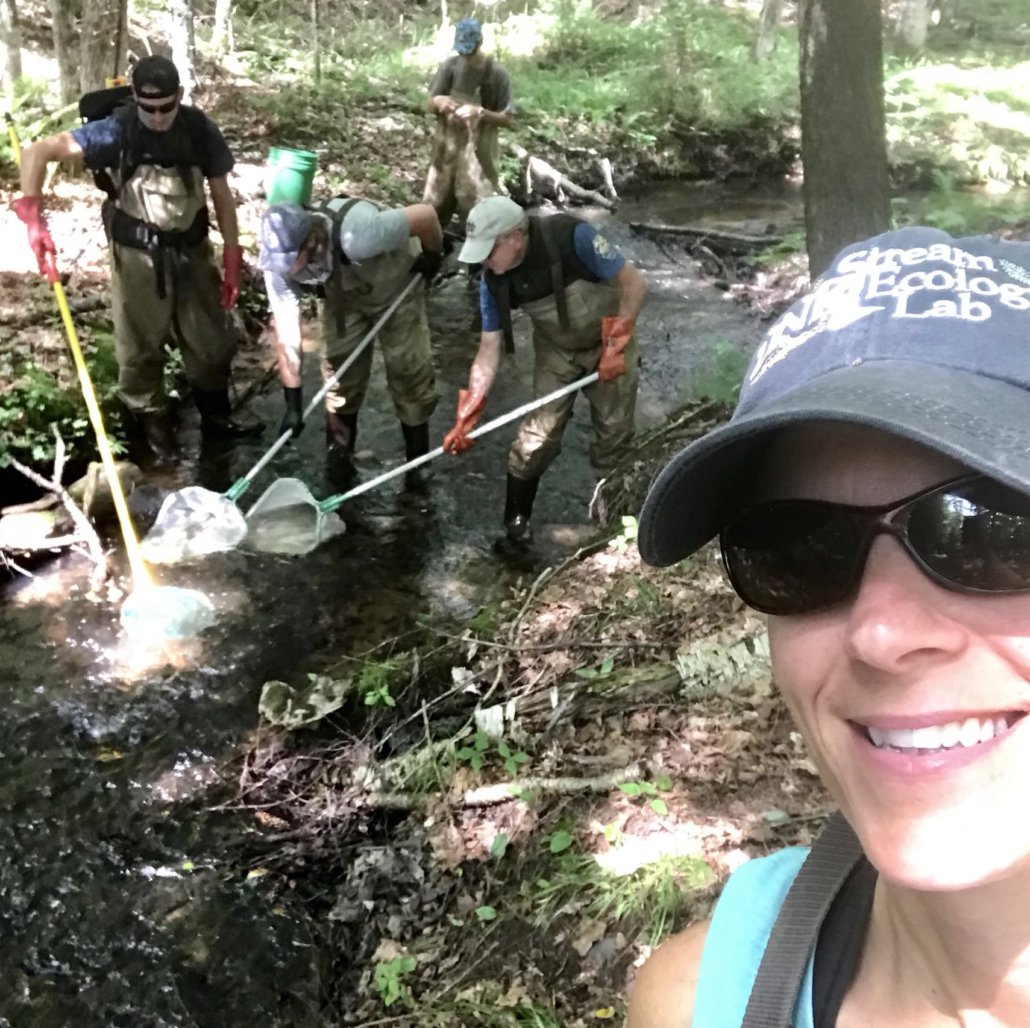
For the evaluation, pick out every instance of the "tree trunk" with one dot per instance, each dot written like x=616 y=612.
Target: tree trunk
x=10 y=36
x=768 y=30
x=63 y=14
x=220 y=31
x=180 y=35
x=316 y=46
x=912 y=24
x=101 y=42
x=843 y=131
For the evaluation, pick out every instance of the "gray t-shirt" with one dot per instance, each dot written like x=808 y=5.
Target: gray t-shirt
x=455 y=75
x=366 y=232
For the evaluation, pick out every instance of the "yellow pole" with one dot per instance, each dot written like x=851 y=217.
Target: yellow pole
x=12 y=135
x=140 y=575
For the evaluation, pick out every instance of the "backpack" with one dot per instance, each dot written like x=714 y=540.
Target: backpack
x=117 y=101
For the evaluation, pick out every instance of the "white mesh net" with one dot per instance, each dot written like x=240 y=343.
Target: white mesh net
x=193 y=522
x=286 y=519
x=166 y=612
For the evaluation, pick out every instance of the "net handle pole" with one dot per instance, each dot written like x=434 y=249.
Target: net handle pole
x=140 y=575
x=240 y=487
x=330 y=504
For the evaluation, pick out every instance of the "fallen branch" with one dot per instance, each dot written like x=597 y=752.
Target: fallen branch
x=491 y=795
x=727 y=242
x=87 y=533
x=547 y=180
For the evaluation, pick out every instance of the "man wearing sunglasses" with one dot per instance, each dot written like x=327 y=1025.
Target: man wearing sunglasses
x=151 y=156
x=871 y=495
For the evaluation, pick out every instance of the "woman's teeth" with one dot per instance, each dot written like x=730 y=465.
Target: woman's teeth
x=970 y=732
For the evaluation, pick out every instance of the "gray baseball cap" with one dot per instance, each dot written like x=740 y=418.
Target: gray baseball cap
x=284 y=227
x=489 y=219
x=913 y=333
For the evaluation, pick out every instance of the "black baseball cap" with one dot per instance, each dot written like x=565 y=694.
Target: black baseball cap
x=912 y=332
x=155 y=76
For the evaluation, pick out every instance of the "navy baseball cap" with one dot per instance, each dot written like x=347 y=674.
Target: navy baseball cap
x=284 y=227
x=914 y=333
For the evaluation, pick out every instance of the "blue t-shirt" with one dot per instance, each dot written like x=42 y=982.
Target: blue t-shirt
x=101 y=143
x=596 y=253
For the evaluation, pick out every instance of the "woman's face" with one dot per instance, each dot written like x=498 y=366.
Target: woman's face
x=903 y=653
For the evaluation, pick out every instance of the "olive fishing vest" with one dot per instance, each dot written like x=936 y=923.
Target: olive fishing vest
x=151 y=207
x=564 y=299
x=368 y=285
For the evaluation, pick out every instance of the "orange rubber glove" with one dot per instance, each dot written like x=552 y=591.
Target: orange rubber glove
x=470 y=409
x=615 y=336
x=29 y=210
x=232 y=265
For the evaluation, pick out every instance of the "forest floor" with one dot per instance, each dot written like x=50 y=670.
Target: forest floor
x=498 y=821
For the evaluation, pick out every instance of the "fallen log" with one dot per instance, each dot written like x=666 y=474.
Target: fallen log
x=727 y=242
x=503 y=792
x=544 y=178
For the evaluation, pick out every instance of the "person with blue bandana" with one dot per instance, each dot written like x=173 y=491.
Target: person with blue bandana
x=470 y=94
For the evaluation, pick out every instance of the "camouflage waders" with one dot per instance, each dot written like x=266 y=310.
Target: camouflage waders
x=355 y=297
x=562 y=357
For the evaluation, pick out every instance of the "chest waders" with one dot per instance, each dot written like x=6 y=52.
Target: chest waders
x=464 y=166
x=165 y=286
x=354 y=297
x=567 y=345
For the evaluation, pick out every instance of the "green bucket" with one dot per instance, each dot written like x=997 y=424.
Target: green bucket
x=290 y=175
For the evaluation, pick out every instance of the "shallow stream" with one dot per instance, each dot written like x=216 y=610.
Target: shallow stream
x=119 y=901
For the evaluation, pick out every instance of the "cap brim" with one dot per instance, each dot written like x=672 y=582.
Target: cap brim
x=277 y=261
x=475 y=251
x=975 y=420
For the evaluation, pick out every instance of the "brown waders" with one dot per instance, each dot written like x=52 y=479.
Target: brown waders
x=561 y=357
x=168 y=293
x=355 y=297
x=464 y=167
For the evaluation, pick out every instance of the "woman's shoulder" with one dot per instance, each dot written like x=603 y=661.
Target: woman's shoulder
x=674 y=978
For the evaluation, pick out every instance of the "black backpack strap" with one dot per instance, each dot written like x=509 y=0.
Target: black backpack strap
x=557 y=275
x=776 y=986
x=337 y=219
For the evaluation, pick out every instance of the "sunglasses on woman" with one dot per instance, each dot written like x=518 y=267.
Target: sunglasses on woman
x=971 y=535
x=158 y=108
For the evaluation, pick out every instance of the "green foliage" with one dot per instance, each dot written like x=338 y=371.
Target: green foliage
x=32 y=399
x=663 y=783
x=375 y=678
x=963 y=211
x=725 y=377
x=792 y=243
x=602 y=669
x=486 y=913
x=652 y=895
x=480 y=751
x=389 y=984
x=627 y=534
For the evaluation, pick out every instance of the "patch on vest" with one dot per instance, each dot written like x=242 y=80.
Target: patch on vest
x=601 y=246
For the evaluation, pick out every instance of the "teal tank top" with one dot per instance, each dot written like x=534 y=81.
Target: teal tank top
x=736 y=939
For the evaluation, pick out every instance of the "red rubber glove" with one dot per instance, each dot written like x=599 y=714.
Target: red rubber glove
x=30 y=211
x=232 y=264
x=615 y=336
x=470 y=409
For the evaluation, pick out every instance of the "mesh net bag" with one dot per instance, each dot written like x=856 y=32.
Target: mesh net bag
x=193 y=522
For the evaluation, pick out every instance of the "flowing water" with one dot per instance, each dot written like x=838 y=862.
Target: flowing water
x=119 y=902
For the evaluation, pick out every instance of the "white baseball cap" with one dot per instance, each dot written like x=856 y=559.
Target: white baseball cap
x=489 y=219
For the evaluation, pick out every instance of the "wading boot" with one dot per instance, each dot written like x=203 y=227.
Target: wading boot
x=216 y=420
x=341 y=433
x=160 y=441
x=416 y=444
x=518 y=506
